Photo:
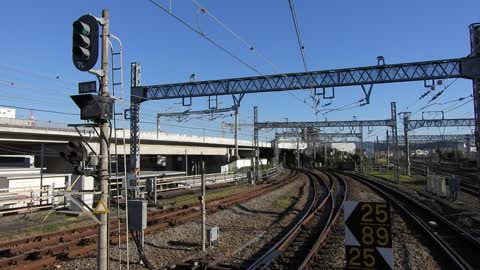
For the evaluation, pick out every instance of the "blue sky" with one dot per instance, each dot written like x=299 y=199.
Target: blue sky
x=36 y=49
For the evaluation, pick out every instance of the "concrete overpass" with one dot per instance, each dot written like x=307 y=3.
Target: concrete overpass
x=31 y=134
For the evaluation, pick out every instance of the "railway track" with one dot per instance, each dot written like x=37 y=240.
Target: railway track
x=459 y=248
x=43 y=250
x=467 y=184
x=300 y=245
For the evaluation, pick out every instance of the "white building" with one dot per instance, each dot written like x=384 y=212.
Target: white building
x=7 y=112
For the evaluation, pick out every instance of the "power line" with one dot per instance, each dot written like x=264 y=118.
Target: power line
x=37 y=101
x=201 y=34
x=25 y=86
x=38 y=110
x=297 y=32
x=300 y=44
x=38 y=74
x=222 y=48
x=459 y=105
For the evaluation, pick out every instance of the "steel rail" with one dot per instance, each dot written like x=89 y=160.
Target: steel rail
x=458 y=245
x=37 y=251
x=320 y=242
x=280 y=247
x=273 y=252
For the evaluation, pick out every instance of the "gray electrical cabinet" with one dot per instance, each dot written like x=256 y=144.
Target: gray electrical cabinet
x=212 y=234
x=137 y=215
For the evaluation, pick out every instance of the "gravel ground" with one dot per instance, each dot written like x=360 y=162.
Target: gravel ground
x=259 y=219
x=409 y=252
x=459 y=212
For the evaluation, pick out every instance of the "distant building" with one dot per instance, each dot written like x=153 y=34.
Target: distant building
x=345 y=147
x=7 y=112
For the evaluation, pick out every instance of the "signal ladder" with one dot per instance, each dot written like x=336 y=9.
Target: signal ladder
x=119 y=194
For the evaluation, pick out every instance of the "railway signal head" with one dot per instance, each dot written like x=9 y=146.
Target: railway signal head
x=74 y=153
x=85 y=42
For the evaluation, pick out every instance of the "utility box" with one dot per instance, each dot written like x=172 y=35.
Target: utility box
x=150 y=184
x=212 y=234
x=131 y=181
x=436 y=185
x=454 y=184
x=137 y=215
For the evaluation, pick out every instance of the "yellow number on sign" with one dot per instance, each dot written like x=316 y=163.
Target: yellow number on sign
x=368 y=257
x=367 y=235
x=382 y=235
x=369 y=209
x=355 y=252
x=381 y=213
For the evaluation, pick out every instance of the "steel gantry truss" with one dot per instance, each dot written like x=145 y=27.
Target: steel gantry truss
x=311 y=136
x=318 y=136
x=462 y=122
x=409 y=125
x=392 y=122
x=211 y=112
x=405 y=72
x=435 y=138
x=325 y=124
x=467 y=67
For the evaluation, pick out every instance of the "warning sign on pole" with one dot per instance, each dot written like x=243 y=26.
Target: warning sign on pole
x=368 y=235
x=101 y=208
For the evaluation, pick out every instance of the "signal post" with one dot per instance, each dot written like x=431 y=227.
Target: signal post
x=96 y=108
x=102 y=256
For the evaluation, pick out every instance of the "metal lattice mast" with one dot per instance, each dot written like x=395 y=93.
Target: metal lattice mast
x=475 y=52
x=135 y=127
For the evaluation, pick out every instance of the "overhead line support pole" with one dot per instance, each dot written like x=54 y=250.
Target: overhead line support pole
x=237 y=157
x=204 y=212
x=361 y=148
x=406 y=116
x=388 y=148
x=396 y=169
x=255 y=145
x=102 y=253
x=135 y=128
x=298 y=153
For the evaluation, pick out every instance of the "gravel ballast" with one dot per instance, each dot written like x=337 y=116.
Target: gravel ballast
x=244 y=229
x=408 y=250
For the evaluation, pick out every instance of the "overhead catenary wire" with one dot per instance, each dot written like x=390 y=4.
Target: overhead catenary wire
x=297 y=32
x=38 y=110
x=26 y=86
x=300 y=42
x=456 y=107
x=42 y=75
x=203 y=35
x=248 y=46
x=441 y=103
x=35 y=101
